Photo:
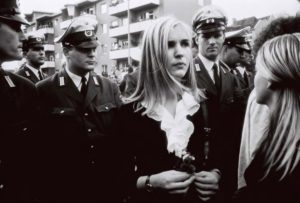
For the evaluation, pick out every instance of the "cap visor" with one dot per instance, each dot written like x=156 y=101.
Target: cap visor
x=244 y=47
x=212 y=29
x=15 y=18
x=88 y=44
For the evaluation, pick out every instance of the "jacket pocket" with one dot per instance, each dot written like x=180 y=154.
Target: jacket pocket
x=63 y=111
x=105 y=107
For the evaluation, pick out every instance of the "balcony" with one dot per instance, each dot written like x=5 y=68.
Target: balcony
x=134 y=27
x=49 y=47
x=46 y=30
x=135 y=53
x=48 y=64
x=64 y=24
x=118 y=31
x=121 y=8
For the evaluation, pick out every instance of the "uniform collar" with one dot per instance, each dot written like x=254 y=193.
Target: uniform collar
x=34 y=70
x=208 y=64
x=75 y=78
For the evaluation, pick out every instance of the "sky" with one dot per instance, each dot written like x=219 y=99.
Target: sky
x=234 y=8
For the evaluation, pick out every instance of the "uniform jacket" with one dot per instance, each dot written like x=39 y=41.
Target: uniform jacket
x=25 y=72
x=18 y=105
x=224 y=105
x=145 y=151
x=80 y=151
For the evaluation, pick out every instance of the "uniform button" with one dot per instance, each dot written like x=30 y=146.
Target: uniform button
x=89 y=130
x=106 y=107
x=92 y=146
x=24 y=129
x=92 y=162
x=86 y=114
x=1 y=186
x=62 y=111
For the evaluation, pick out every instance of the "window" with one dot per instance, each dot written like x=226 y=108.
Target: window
x=104 y=68
x=125 y=21
x=114 y=2
x=114 y=24
x=147 y=15
x=88 y=11
x=103 y=8
x=104 y=28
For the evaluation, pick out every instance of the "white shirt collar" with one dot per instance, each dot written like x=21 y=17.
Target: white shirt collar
x=76 y=79
x=208 y=64
x=241 y=69
x=34 y=70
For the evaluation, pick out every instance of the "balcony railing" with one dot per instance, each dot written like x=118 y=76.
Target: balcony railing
x=64 y=24
x=135 y=53
x=134 y=27
x=121 y=8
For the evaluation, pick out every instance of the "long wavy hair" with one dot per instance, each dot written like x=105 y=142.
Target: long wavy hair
x=155 y=82
x=278 y=153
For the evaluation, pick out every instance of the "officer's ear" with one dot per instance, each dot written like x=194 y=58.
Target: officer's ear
x=66 y=51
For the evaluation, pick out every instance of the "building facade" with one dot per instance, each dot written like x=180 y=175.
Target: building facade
x=121 y=26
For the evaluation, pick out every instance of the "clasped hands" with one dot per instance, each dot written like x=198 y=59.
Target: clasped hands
x=206 y=183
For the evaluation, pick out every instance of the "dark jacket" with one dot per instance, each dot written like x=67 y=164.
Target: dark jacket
x=80 y=153
x=25 y=72
x=18 y=110
x=145 y=152
x=224 y=104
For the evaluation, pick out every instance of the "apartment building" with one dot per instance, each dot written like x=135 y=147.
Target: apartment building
x=121 y=25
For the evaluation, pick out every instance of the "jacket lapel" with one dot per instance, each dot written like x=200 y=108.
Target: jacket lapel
x=93 y=89
x=203 y=78
x=67 y=86
x=225 y=78
x=30 y=75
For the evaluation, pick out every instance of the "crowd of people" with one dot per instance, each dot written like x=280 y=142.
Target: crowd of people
x=208 y=116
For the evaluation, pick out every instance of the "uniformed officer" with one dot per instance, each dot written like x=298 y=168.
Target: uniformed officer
x=235 y=54
x=80 y=153
x=17 y=111
x=213 y=76
x=33 y=51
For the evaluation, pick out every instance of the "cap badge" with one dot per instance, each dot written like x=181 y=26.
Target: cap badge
x=38 y=39
x=88 y=33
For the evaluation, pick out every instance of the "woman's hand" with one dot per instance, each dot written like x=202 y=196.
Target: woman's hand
x=173 y=182
x=206 y=184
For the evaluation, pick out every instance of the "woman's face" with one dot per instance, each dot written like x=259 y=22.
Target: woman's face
x=179 y=52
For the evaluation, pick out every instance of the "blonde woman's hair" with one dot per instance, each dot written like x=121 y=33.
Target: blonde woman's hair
x=278 y=152
x=155 y=82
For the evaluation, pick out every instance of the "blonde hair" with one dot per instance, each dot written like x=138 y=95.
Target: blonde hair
x=155 y=82
x=278 y=152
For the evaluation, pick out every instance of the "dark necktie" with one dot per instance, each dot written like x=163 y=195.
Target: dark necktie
x=216 y=77
x=40 y=75
x=246 y=78
x=83 y=90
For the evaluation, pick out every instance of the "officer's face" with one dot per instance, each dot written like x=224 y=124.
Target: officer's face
x=36 y=56
x=179 y=52
x=10 y=42
x=233 y=55
x=210 y=44
x=82 y=59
